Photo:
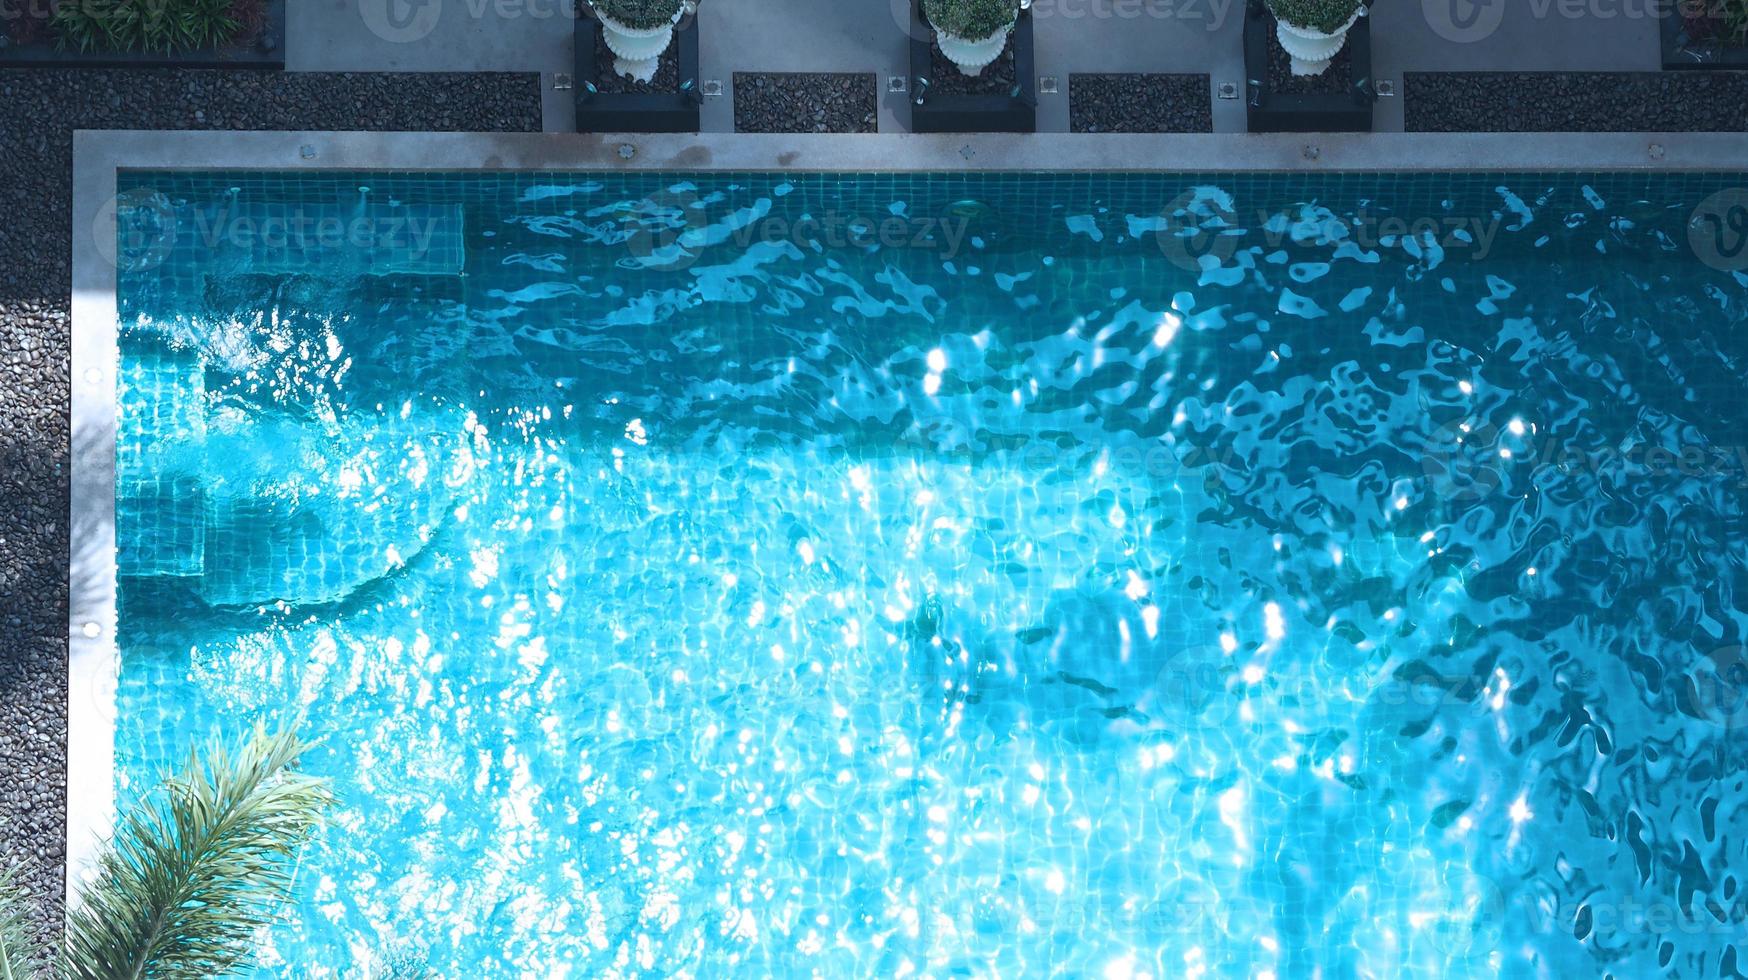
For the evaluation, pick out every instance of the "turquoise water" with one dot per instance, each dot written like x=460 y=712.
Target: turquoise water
x=837 y=575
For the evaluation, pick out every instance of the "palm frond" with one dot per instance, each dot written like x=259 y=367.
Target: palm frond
x=193 y=873
x=21 y=958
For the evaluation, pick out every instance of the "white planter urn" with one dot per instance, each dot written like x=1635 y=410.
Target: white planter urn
x=973 y=56
x=1312 y=49
x=637 y=51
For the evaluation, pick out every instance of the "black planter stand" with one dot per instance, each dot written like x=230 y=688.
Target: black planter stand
x=265 y=53
x=1683 y=52
x=1306 y=112
x=951 y=112
x=636 y=112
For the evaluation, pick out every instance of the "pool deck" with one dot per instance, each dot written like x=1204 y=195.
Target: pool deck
x=1073 y=36
x=98 y=155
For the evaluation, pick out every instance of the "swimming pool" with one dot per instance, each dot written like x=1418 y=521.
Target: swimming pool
x=953 y=573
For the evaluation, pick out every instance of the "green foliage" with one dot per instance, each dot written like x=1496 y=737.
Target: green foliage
x=144 y=25
x=1736 y=20
x=20 y=957
x=641 y=14
x=972 y=20
x=196 y=870
x=1318 y=15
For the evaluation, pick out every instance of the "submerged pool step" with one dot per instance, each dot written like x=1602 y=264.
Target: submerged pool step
x=258 y=504
x=330 y=511
x=263 y=550
x=325 y=238
x=160 y=505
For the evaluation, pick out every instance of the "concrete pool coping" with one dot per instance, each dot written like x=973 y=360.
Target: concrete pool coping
x=93 y=661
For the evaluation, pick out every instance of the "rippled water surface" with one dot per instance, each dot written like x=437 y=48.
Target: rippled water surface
x=956 y=575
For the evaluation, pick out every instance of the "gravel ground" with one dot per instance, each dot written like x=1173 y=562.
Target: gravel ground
x=1140 y=104
x=805 y=103
x=1575 y=102
x=997 y=78
x=35 y=282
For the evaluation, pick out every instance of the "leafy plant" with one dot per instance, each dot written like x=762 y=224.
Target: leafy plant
x=194 y=871
x=150 y=25
x=1325 y=16
x=20 y=959
x=26 y=26
x=642 y=14
x=972 y=20
x=1715 y=22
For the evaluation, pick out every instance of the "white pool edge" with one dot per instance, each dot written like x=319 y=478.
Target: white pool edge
x=92 y=657
x=98 y=155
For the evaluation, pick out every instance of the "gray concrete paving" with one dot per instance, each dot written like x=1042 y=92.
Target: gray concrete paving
x=436 y=35
x=1509 y=35
x=797 y=35
x=1202 y=36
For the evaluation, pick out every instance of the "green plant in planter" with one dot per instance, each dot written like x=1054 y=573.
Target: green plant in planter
x=1736 y=20
x=643 y=15
x=149 y=25
x=972 y=20
x=1324 y=16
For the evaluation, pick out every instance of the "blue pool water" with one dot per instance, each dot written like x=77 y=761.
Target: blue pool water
x=835 y=575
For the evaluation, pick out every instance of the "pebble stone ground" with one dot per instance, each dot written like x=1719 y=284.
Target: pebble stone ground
x=805 y=103
x=1576 y=102
x=1140 y=104
x=36 y=146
